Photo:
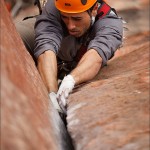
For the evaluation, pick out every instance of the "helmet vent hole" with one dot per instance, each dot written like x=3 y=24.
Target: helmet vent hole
x=67 y=4
x=84 y=2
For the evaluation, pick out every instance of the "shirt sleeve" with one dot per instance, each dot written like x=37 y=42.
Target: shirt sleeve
x=48 y=30
x=108 y=33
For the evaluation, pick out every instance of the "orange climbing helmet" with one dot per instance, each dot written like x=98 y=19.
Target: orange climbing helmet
x=74 y=6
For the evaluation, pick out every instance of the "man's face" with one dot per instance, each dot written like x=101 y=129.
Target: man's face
x=77 y=23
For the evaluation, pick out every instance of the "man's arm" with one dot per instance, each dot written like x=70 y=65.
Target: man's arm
x=47 y=66
x=88 y=67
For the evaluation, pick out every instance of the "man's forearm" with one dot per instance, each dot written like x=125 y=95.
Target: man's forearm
x=47 y=66
x=88 y=67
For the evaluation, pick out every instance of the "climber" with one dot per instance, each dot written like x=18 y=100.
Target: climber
x=77 y=38
x=74 y=39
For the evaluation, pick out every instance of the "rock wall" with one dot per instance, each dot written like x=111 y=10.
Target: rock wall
x=28 y=119
x=112 y=111
x=134 y=12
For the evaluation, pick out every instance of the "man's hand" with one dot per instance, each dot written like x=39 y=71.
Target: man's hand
x=62 y=113
x=53 y=98
x=65 y=88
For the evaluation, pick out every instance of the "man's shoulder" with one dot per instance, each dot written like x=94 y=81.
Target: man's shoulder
x=109 y=19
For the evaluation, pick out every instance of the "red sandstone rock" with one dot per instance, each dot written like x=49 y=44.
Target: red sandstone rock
x=128 y=4
x=109 y=113
x=112 y=111
x=28 y=120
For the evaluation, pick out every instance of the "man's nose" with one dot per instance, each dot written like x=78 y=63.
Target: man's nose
x=71 y=25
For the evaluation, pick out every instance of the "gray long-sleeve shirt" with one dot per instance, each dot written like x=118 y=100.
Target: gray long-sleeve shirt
x=51 y=34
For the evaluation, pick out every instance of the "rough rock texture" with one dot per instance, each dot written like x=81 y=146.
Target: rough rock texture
x=112 y=111
x=109 y=113
x=28 y=120
x=128 y=4
x=134 y=12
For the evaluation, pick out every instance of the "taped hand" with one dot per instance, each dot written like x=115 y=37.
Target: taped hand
x=65 y=88
x=53 y=98
x=62 y=113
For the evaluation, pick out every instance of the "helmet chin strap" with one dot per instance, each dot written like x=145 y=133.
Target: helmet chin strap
x=92 y=17
x=92 y=20
x=90 y=14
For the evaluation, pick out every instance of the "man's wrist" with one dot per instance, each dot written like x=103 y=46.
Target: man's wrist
x=53 y=98
x=70 y=77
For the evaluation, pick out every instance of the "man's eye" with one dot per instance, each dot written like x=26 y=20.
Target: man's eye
x=63 y=17
x=77 y=19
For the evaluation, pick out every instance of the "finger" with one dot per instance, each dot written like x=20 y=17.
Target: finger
x=54 y=101
x=59 y=98
x=63 y=108
x=66 y=93
x=61 y=105
x=60 y=91
x=63 y=99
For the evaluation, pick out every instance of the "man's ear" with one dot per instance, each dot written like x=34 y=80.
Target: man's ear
x=94 y=10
